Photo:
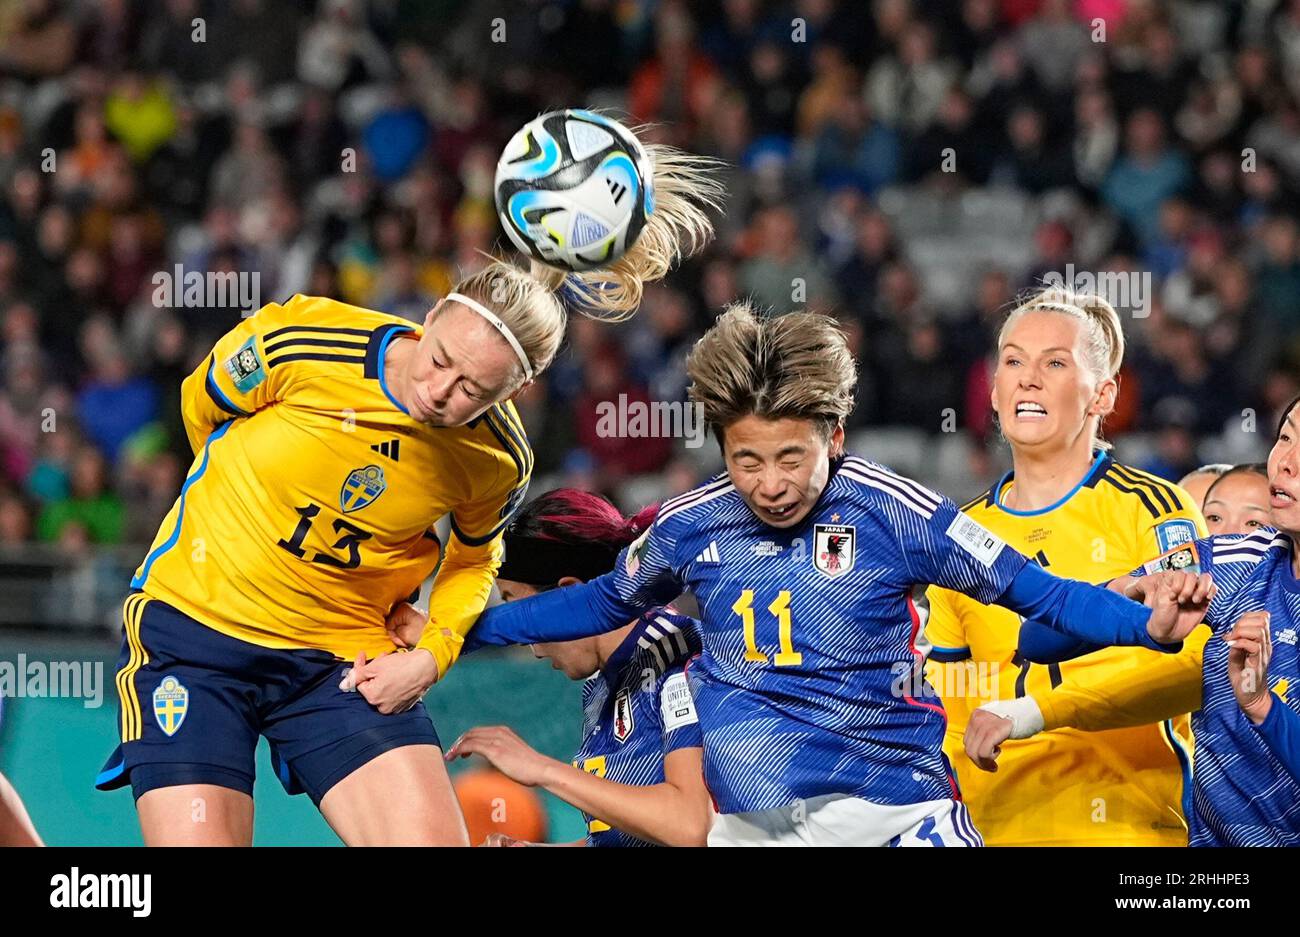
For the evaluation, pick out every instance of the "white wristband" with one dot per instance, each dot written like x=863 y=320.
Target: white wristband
x=1026 y=718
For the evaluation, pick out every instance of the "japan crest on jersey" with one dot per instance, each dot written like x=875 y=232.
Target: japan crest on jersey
x=623 y=721
x=833 y=549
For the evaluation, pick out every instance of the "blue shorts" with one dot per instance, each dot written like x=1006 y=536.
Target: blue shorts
x=192 y=702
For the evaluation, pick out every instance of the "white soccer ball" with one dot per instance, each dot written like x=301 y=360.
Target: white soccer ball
x=574 y=189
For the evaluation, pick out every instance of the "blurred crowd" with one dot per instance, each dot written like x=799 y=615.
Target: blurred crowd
x=347 y=148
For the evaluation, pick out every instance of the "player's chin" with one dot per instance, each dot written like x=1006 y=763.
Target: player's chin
x=1026 y=431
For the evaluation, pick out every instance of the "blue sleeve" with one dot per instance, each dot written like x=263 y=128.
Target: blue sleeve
x=566 y=614
x=642 y=579
x=949 y=548
x=1281 y=732
x=1039 y=644
x=1079 y=609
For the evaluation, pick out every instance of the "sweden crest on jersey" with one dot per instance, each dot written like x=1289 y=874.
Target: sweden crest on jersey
x=361 y=488
x=833 y=549
x=171 y=701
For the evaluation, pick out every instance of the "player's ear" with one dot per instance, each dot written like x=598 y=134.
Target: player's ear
x=837 y=441
x=1104 y=400
x=569 y=581
x=521 y=388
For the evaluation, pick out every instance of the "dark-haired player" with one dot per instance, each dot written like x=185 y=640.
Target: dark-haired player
x=638 y=776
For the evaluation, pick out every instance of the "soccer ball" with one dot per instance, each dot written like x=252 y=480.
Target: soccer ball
x=574 y=189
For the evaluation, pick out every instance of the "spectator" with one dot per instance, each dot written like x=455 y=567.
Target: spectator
x=1148 y=173
x=115 y=404
x=91 y=512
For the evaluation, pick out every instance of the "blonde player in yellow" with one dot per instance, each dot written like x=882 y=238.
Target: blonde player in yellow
x=1236 y=503
x=328 y=440
x=1080 y=514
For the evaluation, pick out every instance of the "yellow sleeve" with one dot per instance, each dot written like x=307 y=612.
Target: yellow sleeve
x=235 y=380
x=1170 y=686
x=469 y=566
x=944 y=629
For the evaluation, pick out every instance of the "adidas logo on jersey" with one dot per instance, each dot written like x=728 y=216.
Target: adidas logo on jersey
x=709 y=554
x=388 y=447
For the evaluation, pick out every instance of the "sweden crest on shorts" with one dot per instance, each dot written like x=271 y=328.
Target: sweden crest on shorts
x=171 y=701
x=833 y=549
x=361 y=488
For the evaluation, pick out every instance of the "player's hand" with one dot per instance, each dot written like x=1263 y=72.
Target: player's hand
x=1178 y=602
x=506 y=752
x=1251 y=647
x=501 y=839
x=405 y=624
x=1133 y=587
x=394 y=683
x=985 y=733
x=356 y=674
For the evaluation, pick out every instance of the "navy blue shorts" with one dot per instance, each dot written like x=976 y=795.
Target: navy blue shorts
x=192 y=702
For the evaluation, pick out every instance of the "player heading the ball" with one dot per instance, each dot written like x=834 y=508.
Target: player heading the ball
x=328 y=439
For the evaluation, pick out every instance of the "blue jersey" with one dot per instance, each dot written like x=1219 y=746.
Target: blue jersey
x=1242 y=793
x=638 y=710
x=811 y=677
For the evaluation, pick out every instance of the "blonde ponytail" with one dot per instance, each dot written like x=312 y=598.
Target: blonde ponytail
x=686 y=188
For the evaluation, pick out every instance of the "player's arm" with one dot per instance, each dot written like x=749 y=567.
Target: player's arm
x=1169 y=685
x=1160 y=687
x=16 y=827
x=1281 y=733
x=469 y=567
x=1185 y=572
x=643 y=578
x=955 y=551
x=674 y=812
x=1250 y=643
x=239 y=375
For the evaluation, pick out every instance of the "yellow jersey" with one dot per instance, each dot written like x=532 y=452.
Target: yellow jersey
x=1065 y=786
x=309 y=510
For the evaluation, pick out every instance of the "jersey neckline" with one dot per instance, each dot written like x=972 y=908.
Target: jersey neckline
x=1097 y=462
x=389 y=333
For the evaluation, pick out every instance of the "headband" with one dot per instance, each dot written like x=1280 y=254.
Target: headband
x=1062 y=307
x=501 y=327
x=543 y=562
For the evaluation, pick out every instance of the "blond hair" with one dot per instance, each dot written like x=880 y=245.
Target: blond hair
x=686 y=189
x=1102 y=334
x=794 y=366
